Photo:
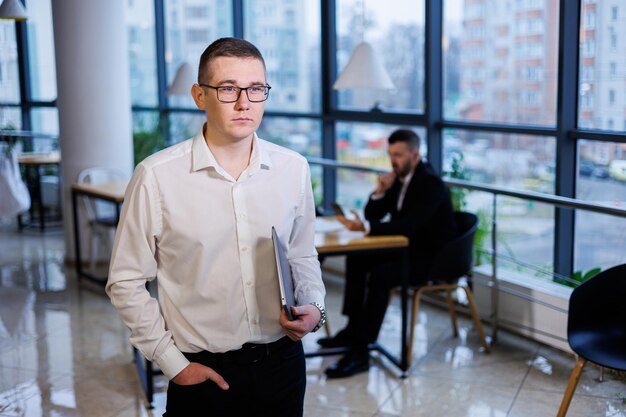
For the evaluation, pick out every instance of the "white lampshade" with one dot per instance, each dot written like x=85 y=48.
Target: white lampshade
x=184 y=79
x=12 y=9
x=364 y=70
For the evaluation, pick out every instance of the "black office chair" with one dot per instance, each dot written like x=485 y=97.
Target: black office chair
x=453 y=262
x=596 y=326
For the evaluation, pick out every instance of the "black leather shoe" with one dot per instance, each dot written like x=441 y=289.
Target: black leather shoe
x=349 y=365
x=341 y=339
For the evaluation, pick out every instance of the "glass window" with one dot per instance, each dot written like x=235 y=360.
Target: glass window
x=299 y=134
x=9 y=74
x=189 y=28
x=525 y=228
x=602 y=71
x=288 y=35
x=303 y=136
x=395 y=29
x=41 y=50
x=142 y=52
x=363 y=144
x=184 y=125
x=599 y=238
x=514 y=79
x=148 y=134
x=10 y=118
x=45 y=120
x=523 y=162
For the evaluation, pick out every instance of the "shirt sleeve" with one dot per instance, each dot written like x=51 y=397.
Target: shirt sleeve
x=305 y=267
x=133 y=266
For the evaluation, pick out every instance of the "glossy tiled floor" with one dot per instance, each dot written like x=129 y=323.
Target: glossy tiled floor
x=63 y=352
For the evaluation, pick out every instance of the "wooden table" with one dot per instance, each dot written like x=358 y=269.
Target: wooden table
x=107 y=191
x=339 y=241
x=32 y=163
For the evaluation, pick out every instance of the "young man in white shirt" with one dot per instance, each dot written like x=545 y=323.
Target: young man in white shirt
x=198 y=216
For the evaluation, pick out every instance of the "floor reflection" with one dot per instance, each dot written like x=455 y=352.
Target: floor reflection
x=64 y=352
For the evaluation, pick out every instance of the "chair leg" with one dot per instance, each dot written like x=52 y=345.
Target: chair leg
x=476 y=317
x=414 y=312
x=571 y=387
x=452 y=311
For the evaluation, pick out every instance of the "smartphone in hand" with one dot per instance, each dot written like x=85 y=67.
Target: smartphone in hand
x=337 y=209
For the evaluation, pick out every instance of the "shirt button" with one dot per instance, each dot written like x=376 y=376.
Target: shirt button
x=249 y=283
x=244 y=249
x=253 y=321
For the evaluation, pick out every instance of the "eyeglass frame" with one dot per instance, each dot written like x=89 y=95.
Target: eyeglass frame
x=239 y=89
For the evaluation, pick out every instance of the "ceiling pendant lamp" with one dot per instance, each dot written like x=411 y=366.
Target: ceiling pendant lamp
x=183 y=80
x=13 y=10
x=364 y=70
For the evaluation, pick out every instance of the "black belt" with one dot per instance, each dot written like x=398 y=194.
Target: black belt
x=249 y=353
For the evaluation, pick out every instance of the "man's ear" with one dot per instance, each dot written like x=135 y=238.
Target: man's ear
x=415 y=156
x=199 y=96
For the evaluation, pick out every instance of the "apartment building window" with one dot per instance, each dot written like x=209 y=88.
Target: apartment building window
x=587 y=73
x=589 y=47
x=613 y=40
x=589 y=20
x=197 y=35
x=611 y=97
x=614 y=13
x=586 y=101
x=613 y=69
x=197 y=12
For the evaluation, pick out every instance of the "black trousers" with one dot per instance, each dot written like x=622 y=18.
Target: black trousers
x=265 y=380
x=369 y=281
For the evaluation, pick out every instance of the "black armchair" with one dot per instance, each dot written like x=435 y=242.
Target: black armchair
x=453 y=262
x=596 y=326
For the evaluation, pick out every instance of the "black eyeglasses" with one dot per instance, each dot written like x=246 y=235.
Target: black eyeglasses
x=230 y=93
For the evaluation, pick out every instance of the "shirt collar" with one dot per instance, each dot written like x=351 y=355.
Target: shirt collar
x=203 y=158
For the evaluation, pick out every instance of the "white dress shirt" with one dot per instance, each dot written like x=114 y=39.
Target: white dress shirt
x=207 y=238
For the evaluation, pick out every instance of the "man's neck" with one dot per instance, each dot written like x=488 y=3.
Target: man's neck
x=233 y=156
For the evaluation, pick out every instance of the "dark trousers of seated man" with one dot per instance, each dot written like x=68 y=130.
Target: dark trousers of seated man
x=369 y=281
x=271 y=386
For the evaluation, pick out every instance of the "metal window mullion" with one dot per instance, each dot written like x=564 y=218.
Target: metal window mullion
x=434 y=82
x=567 y=105
x=329 y=96
x=23 y=62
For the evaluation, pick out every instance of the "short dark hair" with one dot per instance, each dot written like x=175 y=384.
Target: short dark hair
x=407 y=136
x=233 y=47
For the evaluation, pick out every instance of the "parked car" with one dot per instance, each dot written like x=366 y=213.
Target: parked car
x=585 y=168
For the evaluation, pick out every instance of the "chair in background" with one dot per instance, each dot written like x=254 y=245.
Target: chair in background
x=452 y=263
x=101 y=215
x=596 y=326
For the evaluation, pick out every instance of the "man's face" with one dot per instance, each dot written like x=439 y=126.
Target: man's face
x=236 y=121
x=403 y=159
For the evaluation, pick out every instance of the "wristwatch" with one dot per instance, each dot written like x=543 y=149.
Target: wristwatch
x=322 y=318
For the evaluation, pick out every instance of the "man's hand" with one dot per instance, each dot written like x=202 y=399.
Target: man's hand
x=196 y=373
x=307 y=317
x=385 y=182
x=355 y=224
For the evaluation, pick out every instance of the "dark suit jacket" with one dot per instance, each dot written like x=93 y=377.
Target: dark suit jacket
x=426 y=216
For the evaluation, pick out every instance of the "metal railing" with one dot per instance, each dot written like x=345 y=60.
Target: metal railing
x=495 y=191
